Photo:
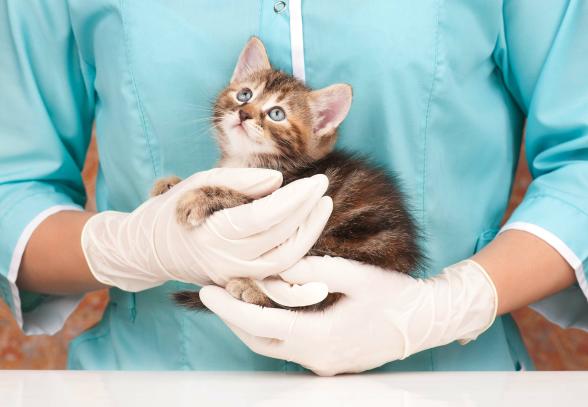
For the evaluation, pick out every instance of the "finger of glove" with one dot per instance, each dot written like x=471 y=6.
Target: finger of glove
x=278 y=259
x=292 y=295
x=272 y=348
x=340 y=275
x=255 y=320
x=253 y=182
x=295 y=200
x=298 y=245
x=258 y=244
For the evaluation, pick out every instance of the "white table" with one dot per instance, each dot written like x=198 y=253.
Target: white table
x=175 y=389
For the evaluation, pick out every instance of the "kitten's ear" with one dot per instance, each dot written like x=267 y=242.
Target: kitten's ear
x=253 y=58
x=329 y=107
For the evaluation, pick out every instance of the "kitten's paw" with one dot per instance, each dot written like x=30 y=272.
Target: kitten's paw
x=198 y=204
x=246 y=290
x=163 y=185
x=193 y=208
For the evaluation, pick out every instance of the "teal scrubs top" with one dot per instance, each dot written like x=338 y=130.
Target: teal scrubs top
x=441 y=92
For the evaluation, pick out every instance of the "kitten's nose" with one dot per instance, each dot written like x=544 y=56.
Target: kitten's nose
x=243 y=115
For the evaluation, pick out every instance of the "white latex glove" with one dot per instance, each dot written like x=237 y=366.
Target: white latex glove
x=384 y=316
x=147 y=247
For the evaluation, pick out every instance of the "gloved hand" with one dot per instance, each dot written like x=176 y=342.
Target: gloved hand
x=384 y=316
x=147 y=247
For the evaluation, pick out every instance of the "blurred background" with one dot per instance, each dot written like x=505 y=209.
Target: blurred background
x=550 y=347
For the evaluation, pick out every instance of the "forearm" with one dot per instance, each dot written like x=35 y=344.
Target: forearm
x=53 y=261
x=524 y=269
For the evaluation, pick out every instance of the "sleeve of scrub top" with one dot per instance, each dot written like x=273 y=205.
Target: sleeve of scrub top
x=46 y=114
x=543 y=55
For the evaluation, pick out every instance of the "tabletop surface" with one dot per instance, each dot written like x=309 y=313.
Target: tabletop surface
x=175 y=389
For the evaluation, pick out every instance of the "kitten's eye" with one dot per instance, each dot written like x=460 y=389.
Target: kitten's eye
x=277 y=114
x=244 y=95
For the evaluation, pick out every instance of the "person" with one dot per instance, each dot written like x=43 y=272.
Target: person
x=441 y=94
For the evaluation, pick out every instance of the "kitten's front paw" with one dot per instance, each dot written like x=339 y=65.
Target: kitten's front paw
x=246 y=290
x=193 y=208
x=198 y=204
x=163 y=185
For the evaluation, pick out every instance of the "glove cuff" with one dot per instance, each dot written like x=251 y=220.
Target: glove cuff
x=480 y=312
x=102 y=247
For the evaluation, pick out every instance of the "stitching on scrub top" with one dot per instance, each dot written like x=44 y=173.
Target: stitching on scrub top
x=428 y=112
x=154 y=162
x=426 y=129
x=85 y=66
x=260 y=20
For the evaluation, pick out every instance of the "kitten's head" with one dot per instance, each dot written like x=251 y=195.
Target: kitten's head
x=268 y=118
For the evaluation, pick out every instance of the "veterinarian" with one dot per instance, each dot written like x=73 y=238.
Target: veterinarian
x=441 y=94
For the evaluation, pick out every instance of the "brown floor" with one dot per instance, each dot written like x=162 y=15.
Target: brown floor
x=551 y=348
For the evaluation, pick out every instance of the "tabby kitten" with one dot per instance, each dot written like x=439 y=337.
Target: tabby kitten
x=266 y=118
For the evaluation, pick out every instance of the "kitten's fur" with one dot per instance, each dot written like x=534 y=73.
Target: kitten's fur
x=370 y=222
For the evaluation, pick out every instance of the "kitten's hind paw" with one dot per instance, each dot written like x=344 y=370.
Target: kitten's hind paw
x=243 y=289
x=246 y=290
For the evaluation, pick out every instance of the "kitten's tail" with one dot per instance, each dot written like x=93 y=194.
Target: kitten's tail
x=190 y=300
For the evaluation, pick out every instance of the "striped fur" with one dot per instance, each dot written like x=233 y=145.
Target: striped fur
x=370 y=222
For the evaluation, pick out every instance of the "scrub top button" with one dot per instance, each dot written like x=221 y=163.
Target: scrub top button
x=279 y=6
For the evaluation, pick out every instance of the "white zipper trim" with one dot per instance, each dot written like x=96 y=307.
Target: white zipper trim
x=297 y=40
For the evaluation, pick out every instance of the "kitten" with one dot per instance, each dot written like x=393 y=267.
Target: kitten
x=268 y=119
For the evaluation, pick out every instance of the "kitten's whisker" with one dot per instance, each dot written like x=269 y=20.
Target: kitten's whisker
x=208 y=131
x=197 y=119
x=192 y=105
x=182 y=123
x=187 y=108
x=207 y=119
x=196 y=124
